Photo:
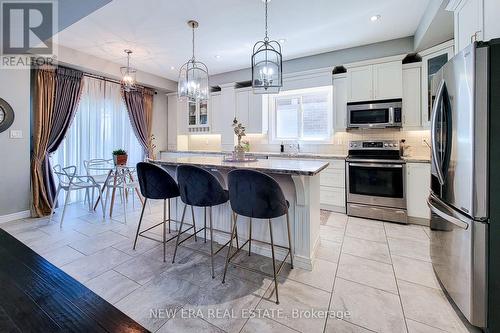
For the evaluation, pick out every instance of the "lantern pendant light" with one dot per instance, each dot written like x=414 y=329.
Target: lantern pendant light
x=267 y=66
x=128 y=74
x=193 y=76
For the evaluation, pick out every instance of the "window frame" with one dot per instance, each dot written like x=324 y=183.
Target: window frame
x=273 y=99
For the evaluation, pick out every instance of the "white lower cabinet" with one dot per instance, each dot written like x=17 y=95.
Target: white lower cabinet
x=332 y=186
x=417 y=189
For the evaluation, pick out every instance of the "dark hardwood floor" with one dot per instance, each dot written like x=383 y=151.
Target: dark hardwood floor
x=36 y=296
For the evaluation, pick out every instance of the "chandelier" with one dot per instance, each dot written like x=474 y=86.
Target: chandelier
x=267 y=67
x=128 y=74
x=193 y=76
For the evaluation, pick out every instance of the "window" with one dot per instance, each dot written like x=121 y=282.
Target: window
x=101 y=125
x=302 y=115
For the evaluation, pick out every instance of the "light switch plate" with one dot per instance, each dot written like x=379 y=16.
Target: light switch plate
x=16 y=134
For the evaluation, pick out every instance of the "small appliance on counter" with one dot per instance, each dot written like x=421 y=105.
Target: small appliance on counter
x=375 y=114
x=375 y=180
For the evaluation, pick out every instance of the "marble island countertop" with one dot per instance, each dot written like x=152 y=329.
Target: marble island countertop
x=319 y=156
x=289 y=166
x=264 y=154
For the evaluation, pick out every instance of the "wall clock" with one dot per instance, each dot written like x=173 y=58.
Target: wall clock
x=6 y=115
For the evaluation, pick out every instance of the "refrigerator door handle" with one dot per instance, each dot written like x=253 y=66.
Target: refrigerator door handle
x=446 y=214
x=435 y=159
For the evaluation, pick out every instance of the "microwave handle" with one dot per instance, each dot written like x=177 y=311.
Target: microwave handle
x=391 y=115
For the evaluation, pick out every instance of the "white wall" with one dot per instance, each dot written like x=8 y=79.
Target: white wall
x=15 y=153
x=328 y=59
x=160 y=121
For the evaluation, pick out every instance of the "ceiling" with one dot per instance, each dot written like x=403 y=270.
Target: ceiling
x=157 y=32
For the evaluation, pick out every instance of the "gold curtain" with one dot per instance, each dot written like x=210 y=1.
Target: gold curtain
x=45 y=86
x=148 y=115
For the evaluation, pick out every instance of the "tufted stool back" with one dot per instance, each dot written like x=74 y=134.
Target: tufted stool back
x=155 y=182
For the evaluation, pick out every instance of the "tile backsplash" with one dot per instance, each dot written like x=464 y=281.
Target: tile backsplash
x=415 y=143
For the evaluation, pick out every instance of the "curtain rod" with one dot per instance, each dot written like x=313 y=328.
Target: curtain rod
x=99 y=77
x=103 y=78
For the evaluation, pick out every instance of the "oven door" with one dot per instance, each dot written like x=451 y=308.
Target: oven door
x=380 y=184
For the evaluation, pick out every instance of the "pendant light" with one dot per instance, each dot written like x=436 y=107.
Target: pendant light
x=267 y=67
x=128 y=74
x=193 y=76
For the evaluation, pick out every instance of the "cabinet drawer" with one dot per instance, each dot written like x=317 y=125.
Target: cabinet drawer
x=332 y=196
x=332 y=178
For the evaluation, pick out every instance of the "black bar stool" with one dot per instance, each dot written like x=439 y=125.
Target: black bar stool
x=199 y=188
x=156 y=183
x=256 y=195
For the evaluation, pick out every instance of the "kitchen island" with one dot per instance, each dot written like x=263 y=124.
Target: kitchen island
x=300 y=182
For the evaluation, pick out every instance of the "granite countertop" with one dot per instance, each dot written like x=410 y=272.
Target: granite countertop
x=417 y=159
x=319 y=156
x=279 y=166
x=264 y=153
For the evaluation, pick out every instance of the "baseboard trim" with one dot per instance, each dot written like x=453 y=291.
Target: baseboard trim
x=419 y=221
x=15 y=216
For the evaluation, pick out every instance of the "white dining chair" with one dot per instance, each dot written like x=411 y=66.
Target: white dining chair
x=126 y=182
x=70 y=181
x=99 y=169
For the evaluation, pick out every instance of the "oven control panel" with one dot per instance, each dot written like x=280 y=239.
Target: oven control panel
x=378 y=145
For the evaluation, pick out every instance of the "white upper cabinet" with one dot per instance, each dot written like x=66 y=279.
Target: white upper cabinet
x=249 y=110
x=375 y=82
x=432 y=61
x=360 y=82
x=412 y=101
x=474 y=20
x=340 y=101
x=468 y=22
x=388 y=80
x=215 y=108
x=243 y=106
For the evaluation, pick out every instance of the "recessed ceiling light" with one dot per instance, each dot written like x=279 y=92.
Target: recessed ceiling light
x=217 y=56
x=282 y=40
x=375 y=18
x=172 y=68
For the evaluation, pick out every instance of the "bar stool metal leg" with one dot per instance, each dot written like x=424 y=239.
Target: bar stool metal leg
x=289 y=240
x=169 y=219
x=194 y=223
x=164 y=227
x=211 y=243
x=140 y=221
x=205 y=224
x=179 y=233
x=249 y=236
x=230 y=248
x=274 y=261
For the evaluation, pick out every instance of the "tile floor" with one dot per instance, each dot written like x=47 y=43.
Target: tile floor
x=371 y=276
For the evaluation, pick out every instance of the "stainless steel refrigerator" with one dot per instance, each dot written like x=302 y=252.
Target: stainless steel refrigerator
x=461 y=134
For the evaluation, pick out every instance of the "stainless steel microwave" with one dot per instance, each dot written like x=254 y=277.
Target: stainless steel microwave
x=374 y=114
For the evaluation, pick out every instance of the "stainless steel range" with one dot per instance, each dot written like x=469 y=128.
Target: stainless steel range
x=375 y=178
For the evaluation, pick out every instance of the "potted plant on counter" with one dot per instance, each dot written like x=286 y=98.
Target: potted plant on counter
x=120 y=157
